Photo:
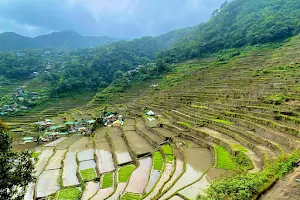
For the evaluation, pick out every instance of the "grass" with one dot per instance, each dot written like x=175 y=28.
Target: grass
x=157 y=161
x=224 y=159
x=69 y=194
x=88 y=174
x=167 y=149
x=35 y=154
x=200 y=107
x=240 y=148
x=223 y=121
x=131 y=196
x=169 y=158
x=107 y=180
x=125 y=172
x=185 y=124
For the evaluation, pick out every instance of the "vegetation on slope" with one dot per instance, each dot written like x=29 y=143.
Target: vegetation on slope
x=125 y=172
x=69 y=194
x=224 y=159
x=240 y=23
x=107 y=180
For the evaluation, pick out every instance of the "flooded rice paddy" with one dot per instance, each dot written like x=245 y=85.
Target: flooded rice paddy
x=164 y=132
x=154 y=177
x=85 y=155
x=104 y=161
x=103 y=193
x=139 y=177
x=47 y=183
x=88 y=164
x=121 y=149
x=137 y=143
x=90 y=189
x=118 y=192
x=56 y=159
x=43 y=159
x=140 y=125
x=198 y=160
x=69 y=177
x=55 y=142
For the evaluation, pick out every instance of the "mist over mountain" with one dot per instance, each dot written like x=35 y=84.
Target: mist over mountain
x=67 y=40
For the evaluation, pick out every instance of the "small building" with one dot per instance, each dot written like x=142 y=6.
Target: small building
x=150 y=113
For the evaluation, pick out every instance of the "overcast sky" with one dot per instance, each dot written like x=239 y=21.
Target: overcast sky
x=116 y=18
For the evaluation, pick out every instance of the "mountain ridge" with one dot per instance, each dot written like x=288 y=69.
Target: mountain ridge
x=67 y=39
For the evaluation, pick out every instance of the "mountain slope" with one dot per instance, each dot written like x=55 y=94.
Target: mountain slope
x=240 y=23
x=65 y=40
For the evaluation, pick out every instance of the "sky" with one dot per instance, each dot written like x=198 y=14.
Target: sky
x=115 y=18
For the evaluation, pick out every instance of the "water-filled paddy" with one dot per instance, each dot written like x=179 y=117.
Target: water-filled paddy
x=90 y=189
x=43 y=159
x=56 y=159
x=139 y=177
x=198 y=160
x=137 y=143
x=140 y=125
x=47 y=183
x=121 y=149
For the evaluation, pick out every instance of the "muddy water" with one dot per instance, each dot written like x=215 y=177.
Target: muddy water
x=139 y=177
x=47 y=183
x=87 y=165
x=178 y=169
x=55 y=142
x=67 y=142
x=198 y=160
x=86 y=155
x=140 y=125
x=70 y=165
x=104 y=161
x=120 y=189
x=55 y=161
x=154 y=176
x=137 y=143
x=43 y=159
x=121 y=149
x=188 y=143
x=103 y=193
x=164 y=132
x=90 y=189
x=164 y=178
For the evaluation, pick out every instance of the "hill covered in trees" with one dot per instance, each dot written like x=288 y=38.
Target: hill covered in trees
x=67 y=40
x=237 y=24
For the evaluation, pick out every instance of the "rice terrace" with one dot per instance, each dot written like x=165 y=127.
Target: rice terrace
x=209 y=112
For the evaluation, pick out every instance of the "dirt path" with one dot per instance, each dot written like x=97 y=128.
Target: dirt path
x=286 y=189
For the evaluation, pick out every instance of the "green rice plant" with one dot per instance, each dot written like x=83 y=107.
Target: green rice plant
x=224 y=159
x=169 y=158
x=157 y=161
x=69 y=194
x=131 y=196
x=223 y=121
x=199 y=107
x=35 y=155
x=167 y=149
x=185 y=124
x=88 y=174
x=107 y=180
x=125 y=172
x=240 y=148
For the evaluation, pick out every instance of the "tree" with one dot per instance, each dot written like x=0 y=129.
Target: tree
x=15 y=168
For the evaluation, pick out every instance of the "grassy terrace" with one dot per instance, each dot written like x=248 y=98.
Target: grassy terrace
x=88 y=174
x=224 y=159
x=125 y=172
x=69 y=194
x=107 y=180
x=131 y=196
x=157 y=161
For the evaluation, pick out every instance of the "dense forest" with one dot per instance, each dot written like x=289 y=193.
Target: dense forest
x=236 y=24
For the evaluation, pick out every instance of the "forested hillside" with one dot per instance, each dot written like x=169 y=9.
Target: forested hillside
x=240 y=23
x=67 y=40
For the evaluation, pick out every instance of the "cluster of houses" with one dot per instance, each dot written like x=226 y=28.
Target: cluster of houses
x=113 y=119
x=21 y=100
x=51 y=131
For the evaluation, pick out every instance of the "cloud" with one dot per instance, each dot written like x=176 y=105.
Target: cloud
x=117 y=18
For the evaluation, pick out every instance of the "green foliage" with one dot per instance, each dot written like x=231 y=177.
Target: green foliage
x=223 y=121
x=169 y=158
x=200 y=107
x=157 y=161
x=125 y=172
x=15 y=168
x=69 y=194
x=88 y=174
x=131 y=196
x=276 y=99
x=185 y=124
x=243 y=161
x=224 y=159
x=107 y=180
x=167 y=149
x=244 y=187
x=238 y=24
